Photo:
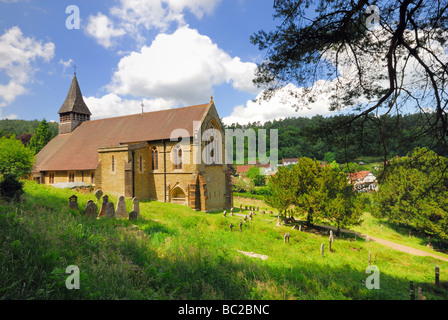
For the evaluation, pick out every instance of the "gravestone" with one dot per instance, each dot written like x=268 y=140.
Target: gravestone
x=258 y=208
x=121 y=211
x=91 y=209
x=322 y=249
x=224 y=213
x=331 y=236
x=300 y=227
x=136 y=205
x=286 y=237
x=73 y=202
x=110 y=210
x=231 y=211
x=103 y=206
x=262 y=212
x=133 y=215
x=241 y=225
x=98 y=194
x=231 y=226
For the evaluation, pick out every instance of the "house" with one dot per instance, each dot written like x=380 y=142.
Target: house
x=287 y=162
x=363 y=181
x=242 y=170
x=134 y=156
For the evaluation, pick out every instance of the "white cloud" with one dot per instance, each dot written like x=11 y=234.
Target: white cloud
x=66 y=64
x=279 y=106
x=112 y=105
x=102 y=29
x=17 y=54
x=132 y=16
x=184 y=66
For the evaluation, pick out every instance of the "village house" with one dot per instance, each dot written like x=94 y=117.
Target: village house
x=363 y=181
x=134 y=156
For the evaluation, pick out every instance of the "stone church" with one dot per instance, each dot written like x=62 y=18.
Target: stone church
x=134 y=156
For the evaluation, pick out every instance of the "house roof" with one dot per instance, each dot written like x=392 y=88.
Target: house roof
x=78 y=150
x=74 y=101
x=354 y=176
x=290 y=160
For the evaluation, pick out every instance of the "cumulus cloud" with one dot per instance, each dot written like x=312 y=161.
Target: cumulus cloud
x=112 y=105
x=103 y=30
x=281 y=105
x=130 y=17
x=183 y=66
x=17 y=55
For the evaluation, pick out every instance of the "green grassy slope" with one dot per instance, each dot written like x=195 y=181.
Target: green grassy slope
x=175 y=253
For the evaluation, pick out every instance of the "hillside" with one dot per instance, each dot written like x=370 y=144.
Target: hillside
x=175 y=253
x=18 y=127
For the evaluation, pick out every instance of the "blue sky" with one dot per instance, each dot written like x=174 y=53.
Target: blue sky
x=166 y=53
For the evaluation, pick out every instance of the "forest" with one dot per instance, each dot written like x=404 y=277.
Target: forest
x=25 y=128
x=348 y=140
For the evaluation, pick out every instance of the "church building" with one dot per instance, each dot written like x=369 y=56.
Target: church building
x=134 y=155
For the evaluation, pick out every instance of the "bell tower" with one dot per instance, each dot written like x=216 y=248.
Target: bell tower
x=74 y=111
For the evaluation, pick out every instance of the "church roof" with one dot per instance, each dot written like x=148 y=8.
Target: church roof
x=74 y=101
x=78 y=150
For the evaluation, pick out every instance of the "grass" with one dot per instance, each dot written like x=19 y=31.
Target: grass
x=173 y=252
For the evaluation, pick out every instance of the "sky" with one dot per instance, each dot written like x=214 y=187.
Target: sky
x=162 y=53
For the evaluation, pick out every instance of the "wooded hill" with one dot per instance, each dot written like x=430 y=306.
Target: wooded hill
x=19 y=127
x=360 y=138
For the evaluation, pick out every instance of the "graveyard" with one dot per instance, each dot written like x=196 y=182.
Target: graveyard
x=154 y=250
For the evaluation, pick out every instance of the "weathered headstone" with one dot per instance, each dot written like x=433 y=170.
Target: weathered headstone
x=300 y=227
x=73 y=202
x=331 y=236
x=245 y=207
x=231 y=226
x=110 y=210
x=322 y=249
x=136 y=205
x=241 y=225
x=286 y=237
x=271 y=212
x=98 y=194
x=91 y=209
x=329 y=243
x=263 y=212
x=103 y=206
x=133 y=215
x=224 y=213
x=437 y=276
x=258 y=208
x=420 y=294
x=121 y=211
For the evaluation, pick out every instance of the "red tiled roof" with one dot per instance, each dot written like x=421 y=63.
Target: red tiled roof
x=78 y=150
x=358 y=175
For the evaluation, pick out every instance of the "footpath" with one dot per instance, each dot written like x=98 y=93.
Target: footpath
x=391 y=244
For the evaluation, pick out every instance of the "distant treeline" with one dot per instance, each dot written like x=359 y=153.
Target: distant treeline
x=23 y=127
x=348 y=139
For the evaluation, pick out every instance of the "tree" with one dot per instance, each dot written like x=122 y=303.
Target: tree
x=316 y=192
x=15 y=158
x=42 y=136
x=331 y=47
x=254 y=174
x=414 y=191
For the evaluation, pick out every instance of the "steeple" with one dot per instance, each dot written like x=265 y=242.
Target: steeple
x=74 y=110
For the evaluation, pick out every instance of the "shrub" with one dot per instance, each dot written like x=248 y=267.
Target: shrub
x=11 y=189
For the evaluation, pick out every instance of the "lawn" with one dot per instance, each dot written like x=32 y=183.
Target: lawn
x=172 y=252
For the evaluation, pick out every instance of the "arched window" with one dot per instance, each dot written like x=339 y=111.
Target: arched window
x=155 y=159
x=113 y=163
x=177 y=157
x=141 y=163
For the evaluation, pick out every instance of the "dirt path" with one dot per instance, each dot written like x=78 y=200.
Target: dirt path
x=391 y=244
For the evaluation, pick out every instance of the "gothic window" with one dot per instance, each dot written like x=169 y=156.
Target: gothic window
x=141 y=163
x=113 y=163
x=51 y=178
x=177 y=157
x=155 y=159
x=71 y=177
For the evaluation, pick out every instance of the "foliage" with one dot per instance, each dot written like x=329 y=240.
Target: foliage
x=254 y=174
x=315 y=191
x=15 y=158
x=241 y=184
x=11 y=189
x=414 y=191
x=330 y=47
x=42 y=136
x=19 y=127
